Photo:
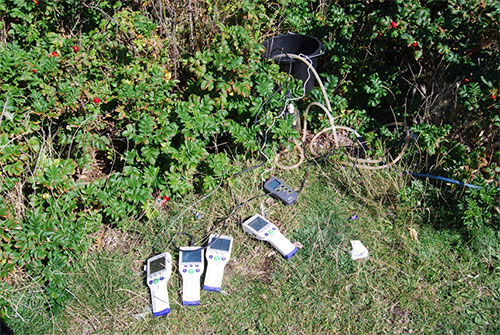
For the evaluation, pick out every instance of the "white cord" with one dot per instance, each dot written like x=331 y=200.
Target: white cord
x=306 y=81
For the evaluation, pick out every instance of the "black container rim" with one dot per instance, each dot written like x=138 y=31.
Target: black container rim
x=318 y=52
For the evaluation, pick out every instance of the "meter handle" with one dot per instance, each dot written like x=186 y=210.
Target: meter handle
x=159 y=300
x=191 y=290
x=284 y=246
x=213 y=276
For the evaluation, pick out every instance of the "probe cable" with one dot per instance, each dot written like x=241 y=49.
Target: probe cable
x=448 y=180
x=265 y=102
x=164 y=231
x=223 y=228
x=256 y=120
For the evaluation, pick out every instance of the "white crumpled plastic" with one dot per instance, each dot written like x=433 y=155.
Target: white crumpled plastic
x=358 y=251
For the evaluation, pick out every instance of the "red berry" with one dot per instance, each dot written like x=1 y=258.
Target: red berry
x=34 y=71
x=414 y=44
x=494 y=97
x=393 y=24
x=54 y=54
x=379 y=34
x=466 y=80
x=97 y=100
x=36 y=2
x=75 y=48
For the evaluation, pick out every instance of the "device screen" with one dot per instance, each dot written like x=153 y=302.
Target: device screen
x=258 y=224
x=220 y=244
x=157 y=265
x=274 y=184
x=191 y=256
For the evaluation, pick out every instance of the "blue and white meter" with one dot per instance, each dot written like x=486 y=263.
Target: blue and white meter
x=262 y=229
x=159 y=270
x=191 y=267
x=218 y=254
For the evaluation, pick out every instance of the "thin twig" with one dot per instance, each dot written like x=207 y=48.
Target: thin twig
x=4 y=110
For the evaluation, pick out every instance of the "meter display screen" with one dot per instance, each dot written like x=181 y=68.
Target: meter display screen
x=258 y=224
x=220 y=244
x=157 y=265
x=274 y=184
x=191 y=256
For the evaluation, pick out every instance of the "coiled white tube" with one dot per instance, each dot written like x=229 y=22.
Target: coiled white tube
x=370 y=164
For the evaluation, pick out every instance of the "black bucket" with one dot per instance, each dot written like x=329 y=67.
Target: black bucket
x=305 y=45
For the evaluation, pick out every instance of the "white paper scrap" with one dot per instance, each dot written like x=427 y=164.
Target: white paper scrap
x=358 y=251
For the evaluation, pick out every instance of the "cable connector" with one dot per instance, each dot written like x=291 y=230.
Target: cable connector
x=263 y=210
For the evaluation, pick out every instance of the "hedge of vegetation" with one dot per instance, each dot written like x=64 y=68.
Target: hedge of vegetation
x=105 y=103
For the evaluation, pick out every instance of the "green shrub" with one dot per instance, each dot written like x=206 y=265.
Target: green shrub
x=431 y=64
x=104 y=103
x=94 y=123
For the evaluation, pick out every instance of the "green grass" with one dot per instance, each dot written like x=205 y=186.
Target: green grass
x=439 y=284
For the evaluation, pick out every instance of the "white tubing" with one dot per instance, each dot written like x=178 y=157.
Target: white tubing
x=328 y=111
x=296 y=165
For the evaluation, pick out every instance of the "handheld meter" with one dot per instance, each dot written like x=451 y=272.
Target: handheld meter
x=159 y=269
x=262 y=229
x=217 y=254
x=278 y=189
x=191 y=267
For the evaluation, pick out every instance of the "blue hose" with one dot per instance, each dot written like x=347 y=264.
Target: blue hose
x=448 y=180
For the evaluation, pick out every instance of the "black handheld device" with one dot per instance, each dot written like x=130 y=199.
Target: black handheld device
x=279 y=190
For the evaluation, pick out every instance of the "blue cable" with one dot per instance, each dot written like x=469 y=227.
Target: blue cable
x=448 y=180
x=424 y=175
